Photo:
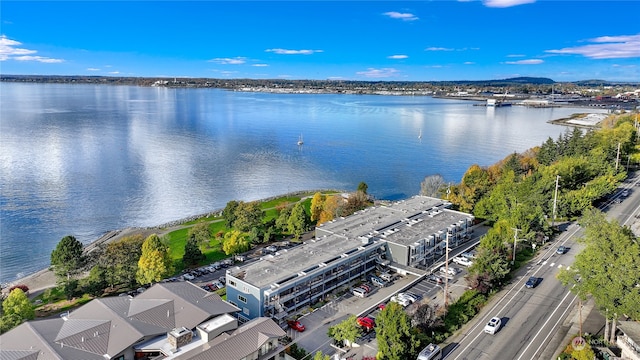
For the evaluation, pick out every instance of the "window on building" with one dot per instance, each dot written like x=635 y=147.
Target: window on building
x=231 y=282
x=242 y=299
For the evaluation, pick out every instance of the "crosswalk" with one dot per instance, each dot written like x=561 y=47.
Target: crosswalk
x=559 y=266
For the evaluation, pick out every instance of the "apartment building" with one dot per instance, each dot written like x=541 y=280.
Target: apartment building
x=410 y=232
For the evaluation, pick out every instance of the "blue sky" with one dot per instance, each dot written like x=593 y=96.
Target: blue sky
x=358 y=40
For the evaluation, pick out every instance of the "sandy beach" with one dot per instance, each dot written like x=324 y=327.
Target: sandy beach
x=45 y=278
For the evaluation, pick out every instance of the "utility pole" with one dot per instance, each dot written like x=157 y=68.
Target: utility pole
x=618 y=157
x=446 y=273
x=555 y=202
x=515 y=238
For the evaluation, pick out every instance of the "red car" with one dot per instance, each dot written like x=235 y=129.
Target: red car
x=296 y=325
x=367 y=323
x=382 y=306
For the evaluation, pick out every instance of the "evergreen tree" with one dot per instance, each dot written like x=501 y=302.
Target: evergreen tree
x=192 y=254
x=396 y=338
x=298 y=221
x=67 y=258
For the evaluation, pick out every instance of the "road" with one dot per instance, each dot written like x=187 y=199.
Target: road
x=531 y=317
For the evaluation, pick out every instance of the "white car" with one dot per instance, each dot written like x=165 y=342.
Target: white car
x=188 y=276
x=462 y=261
x=404 y=302
x=451 y=271
x=493 y=325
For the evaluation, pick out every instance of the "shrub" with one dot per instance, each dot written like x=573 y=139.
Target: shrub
x=23 y=287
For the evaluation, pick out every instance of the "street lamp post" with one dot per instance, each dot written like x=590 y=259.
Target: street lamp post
x=446 y=272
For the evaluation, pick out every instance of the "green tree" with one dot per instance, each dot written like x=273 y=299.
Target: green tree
x=282 y=222
x=394 y=334
x=229 y=213
x=96 y=282
x=18 y=303
x=235 y=242
x=320 y=356
x=67 y=258
x=120 y=261
x=8 y=322
x=248 y=216
x=192 y=254
x=362 y=187
x=155 y=262
x=296 y=352
x=202 y=234
x=607 y=269
x=298 y=220
x=317 y=202
x=345 y=332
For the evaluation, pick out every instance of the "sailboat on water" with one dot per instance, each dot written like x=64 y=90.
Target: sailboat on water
x=420 y=135
x=300 y=141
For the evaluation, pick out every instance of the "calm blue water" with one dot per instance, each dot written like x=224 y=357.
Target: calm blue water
x=82 y=160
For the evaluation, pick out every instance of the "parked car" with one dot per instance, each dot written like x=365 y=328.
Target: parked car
x=382 y=306
x=367 y=323
x=386 y=277
x=561 y=250
x=378 y=282
x=404 y=302
x=493 y=325
x=271 y=248
x=366 y=287
x=296 y=325
x=218 y=284
x=222 y=279
x=532 y=282
x=188 y=276
x=360 y=292
x=435 y=279
x=460 y=260
x=451 y=271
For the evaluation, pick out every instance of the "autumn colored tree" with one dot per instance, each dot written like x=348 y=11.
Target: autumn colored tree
x=155 y=261
x=235 y=242
x=317 y=202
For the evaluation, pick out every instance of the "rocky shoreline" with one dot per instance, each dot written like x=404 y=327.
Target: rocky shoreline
x=45 y=278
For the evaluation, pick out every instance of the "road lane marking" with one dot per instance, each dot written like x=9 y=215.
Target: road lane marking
x=517 y=286
x=544 y=341
x=552 y=264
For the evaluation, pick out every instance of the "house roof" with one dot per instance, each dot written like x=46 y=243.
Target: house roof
x=108 y=326
x=631 y=329
x=240 y=343
x=192 y=304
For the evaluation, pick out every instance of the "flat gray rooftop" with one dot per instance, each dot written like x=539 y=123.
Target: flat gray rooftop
x=274 y=268
x=425 y=215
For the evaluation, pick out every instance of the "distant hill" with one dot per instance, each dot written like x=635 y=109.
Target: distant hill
x=504 y=82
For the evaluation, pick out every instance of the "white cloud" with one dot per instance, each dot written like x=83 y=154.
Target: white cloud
x=378 y=73
x=41 y=59
x=9 y=51
x=433 y=48
x=525 y=62
x=293 y=52
x=506 y=3
x=469 y=63
x=238 y=60
x=397 y=57
x=516 y=55
x=260 y=65
x=114 y=72
x=606 y=47
x=401 y=16
x=93 y=69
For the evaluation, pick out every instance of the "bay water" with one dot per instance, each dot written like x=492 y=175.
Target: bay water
x=86 y=159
